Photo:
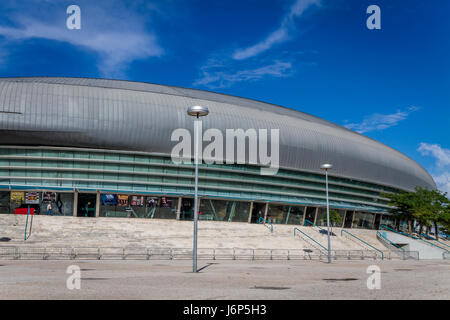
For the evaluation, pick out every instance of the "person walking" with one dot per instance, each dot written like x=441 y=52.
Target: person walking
x=49 y=209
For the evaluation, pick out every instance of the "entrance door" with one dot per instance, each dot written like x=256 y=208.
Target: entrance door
x=348 y=219
x=377 y=221
x=310 y=215
x=86 y=204
x=258 y=211
x=187 y=209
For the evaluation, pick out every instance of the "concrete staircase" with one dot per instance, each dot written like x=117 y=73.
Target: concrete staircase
x=426 y=248
x=131 y=232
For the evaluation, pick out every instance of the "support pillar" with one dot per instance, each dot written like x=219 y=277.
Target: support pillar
x=304 y=216
x=353 y=219
x=374 y=219
x=75 y=202
x=179 y=207
x=343 y=220
x=266 y=210
x=250 y=212
x=97 y=204
x=315 y=215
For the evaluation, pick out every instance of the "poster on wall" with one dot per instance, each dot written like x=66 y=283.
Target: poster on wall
x=17 y=196
x=137 y=201
x=109 y=199
x=122 y=200
x=152 y=201
x=166 y=203
x=32 y=198
x=48 y=197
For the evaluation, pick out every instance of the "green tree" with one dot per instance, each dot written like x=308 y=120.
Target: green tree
x=427 y=207
x=335 y=218
x=401 y=206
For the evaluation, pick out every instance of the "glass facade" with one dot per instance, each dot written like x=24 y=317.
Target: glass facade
x=138 y=206
x=277 y=213
x=148 y=186
x=363 y=220
x=61 y=202
x=224 y=210
x=117 y=171
x=4 y=202
x=295 y=215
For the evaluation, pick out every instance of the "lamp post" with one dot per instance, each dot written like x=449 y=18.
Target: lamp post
x=327 y=167
x=196 y=111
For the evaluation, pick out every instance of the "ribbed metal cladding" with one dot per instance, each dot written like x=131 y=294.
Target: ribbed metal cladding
x=123 y=115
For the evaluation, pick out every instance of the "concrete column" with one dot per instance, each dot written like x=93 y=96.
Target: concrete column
x=266 y=210
x=315 y=215
x=353 y=219
x=304 y=216
x=250 y=212
x=374 y=219
x=179 y=207
x=97 y=204
x=75 y=202
x=343 y=219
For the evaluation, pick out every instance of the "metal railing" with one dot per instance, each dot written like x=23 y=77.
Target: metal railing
x=433 y=239
x=426 y=236
x=397 y=249
x=366 y=243
x=411 y=236
x=398 y=232
x=26 y=237
x=144 y=253
x=314 y=225
x=297 y=229
x=433 y=244
x=265 y=222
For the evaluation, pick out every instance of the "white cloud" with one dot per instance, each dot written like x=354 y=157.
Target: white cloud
x=280 y=35
x=216 y=75
x=376 y=122
x=442 y=155
x=441 y=171
x=103 y=31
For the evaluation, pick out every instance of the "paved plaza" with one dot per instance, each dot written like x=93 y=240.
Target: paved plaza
x=411 y=279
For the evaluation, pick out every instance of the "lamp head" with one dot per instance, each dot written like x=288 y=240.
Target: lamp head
x=197 y=111
x=326 y=166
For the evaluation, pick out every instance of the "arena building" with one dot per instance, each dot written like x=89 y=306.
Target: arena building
x=102 y=148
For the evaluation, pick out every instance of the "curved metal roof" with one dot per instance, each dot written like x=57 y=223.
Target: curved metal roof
x=115 y=114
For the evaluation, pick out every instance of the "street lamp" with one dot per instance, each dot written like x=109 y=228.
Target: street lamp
x=327 y=167
x=196 y=111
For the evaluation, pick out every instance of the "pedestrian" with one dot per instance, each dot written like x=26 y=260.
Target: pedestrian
x=49 y=209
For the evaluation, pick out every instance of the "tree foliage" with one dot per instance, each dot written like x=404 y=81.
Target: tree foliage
x=427 y=207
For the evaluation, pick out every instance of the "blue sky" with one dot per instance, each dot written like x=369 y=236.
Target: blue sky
x=316 y=56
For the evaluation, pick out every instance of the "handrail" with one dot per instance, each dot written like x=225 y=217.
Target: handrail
x=389 y=241
x=382 y=254
x=271 y=226
x=426 y=236
x=297 y=229
x=26 y=225
x=314 y=225
x=434 y=245
x=399 y=232
x=431 y=238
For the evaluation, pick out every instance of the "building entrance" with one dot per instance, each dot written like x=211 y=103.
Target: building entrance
x=86 y=205
x=258 y=211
